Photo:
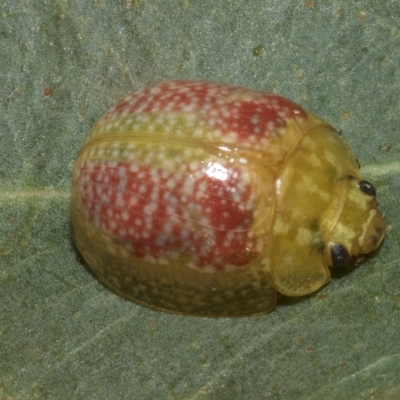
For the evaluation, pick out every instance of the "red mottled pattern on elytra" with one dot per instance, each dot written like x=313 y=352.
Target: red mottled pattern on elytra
x=154 y=212
x=223 y=107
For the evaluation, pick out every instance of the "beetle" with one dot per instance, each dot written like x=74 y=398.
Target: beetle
x=206 y=199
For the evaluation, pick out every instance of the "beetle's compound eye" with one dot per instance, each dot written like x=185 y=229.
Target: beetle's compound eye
x=367 y=188
x=339 y=255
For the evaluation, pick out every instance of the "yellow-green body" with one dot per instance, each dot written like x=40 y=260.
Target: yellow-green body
x=305 y=197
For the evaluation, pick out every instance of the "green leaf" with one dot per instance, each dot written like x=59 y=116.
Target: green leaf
x=63 y=63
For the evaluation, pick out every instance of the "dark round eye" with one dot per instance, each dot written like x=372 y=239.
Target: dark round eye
x=340 y=256
x=367 y=188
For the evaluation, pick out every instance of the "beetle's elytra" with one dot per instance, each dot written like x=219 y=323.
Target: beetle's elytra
x=205 y=199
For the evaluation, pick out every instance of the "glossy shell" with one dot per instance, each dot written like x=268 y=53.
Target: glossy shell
x=205 y=199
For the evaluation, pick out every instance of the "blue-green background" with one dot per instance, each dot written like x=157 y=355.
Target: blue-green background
x=62 y=64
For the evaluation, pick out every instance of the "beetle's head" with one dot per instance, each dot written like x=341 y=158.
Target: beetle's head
x=359 y=229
